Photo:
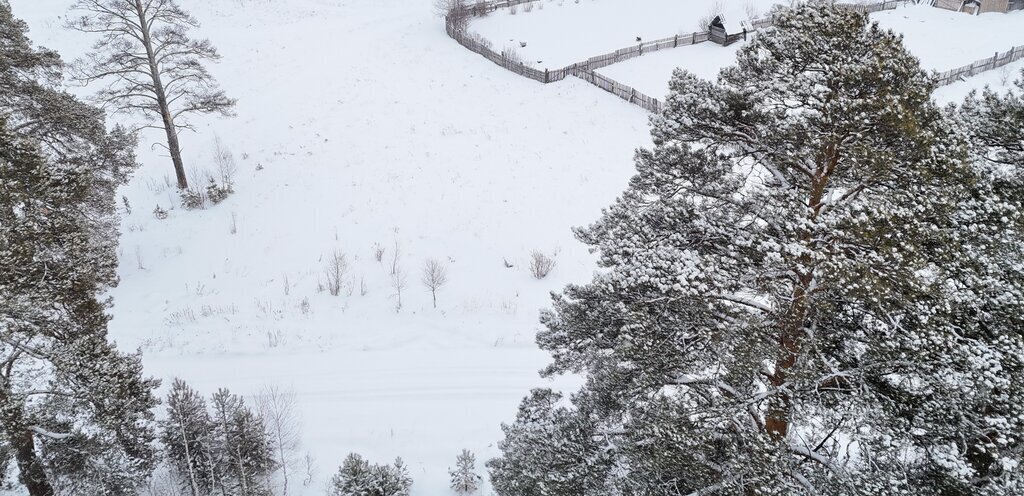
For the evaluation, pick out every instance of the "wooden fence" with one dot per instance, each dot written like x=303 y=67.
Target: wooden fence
x=585 y=69
x=622 y=91
x=996 y=61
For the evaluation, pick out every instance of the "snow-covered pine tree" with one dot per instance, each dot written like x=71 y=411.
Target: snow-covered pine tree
x=76 y=413
x=993 y=121
x=808 y=288
x=151 y=65
x=243 y=452
x=391 y=480
x=187 y=437
x=551 y=450
x=358 y=477
x=353 y=477
x=464 y=479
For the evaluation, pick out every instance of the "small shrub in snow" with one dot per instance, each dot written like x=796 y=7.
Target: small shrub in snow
x=335 y=271
x=541 y=265
x=225 y=161
x=378 y=252
x=511 y=56
x=396 y=257
x=357 y=477
x=159 y=213
x=465 y=480
x=399 y=281
x=480 y=40
x=192 y=199
x=217 y=193
x=528 y=7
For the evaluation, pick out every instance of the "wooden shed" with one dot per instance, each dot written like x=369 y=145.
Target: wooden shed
x=718 y=33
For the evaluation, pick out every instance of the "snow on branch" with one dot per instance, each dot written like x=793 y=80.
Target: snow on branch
x=52 y=435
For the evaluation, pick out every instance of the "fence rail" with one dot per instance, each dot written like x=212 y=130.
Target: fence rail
x=622 y=91
x=996 y=61
x=585 y=70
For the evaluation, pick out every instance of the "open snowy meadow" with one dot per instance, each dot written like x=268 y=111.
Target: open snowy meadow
x=364 y=133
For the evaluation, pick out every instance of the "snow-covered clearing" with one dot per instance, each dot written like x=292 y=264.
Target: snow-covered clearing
x=361 y=124
x=941 y=39
x=558 y=33
x=371 y=126
x=650 y=74
x=1000 y=79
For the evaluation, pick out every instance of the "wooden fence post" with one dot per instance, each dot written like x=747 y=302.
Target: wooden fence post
x=675 y=43
x=547 y=79
x=693 y=38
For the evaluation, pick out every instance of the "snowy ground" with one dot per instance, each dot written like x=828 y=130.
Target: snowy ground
x=360 y=123
x=964 y=39
x=945 y=40
x=650 y=74
x=558 y=33
x=371 y=126
x=998 y=80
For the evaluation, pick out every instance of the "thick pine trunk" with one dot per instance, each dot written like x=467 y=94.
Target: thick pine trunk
x=30 y=467
x=793 y=326
x=166 y=117
x=172 y=142
x=31 y=472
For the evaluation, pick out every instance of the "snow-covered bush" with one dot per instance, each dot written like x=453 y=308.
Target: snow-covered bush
x=334 y=272
x=357 y=477
x=217 y=193
x=192 y=199
x=159 y=213
x=541 y=265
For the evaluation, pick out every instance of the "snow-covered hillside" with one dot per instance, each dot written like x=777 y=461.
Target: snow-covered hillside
x=361 y=126
x=370 y=127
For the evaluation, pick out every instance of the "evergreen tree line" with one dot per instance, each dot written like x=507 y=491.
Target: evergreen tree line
x=218 y=448
x=813 y=285
x=357 y=477
x=77 y=414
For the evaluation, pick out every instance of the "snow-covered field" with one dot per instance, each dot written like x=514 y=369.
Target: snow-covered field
x=942 y=39
x=650 y=74
x=371 y=127
x=361 y=124
x=558 y=33
x=945 y=40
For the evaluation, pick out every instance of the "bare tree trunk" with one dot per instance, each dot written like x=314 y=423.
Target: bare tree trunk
x=189 y=460
x=242 y=476
x=161 y=98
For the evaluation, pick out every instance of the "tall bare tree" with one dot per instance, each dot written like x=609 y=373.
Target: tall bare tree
x=150 y=65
